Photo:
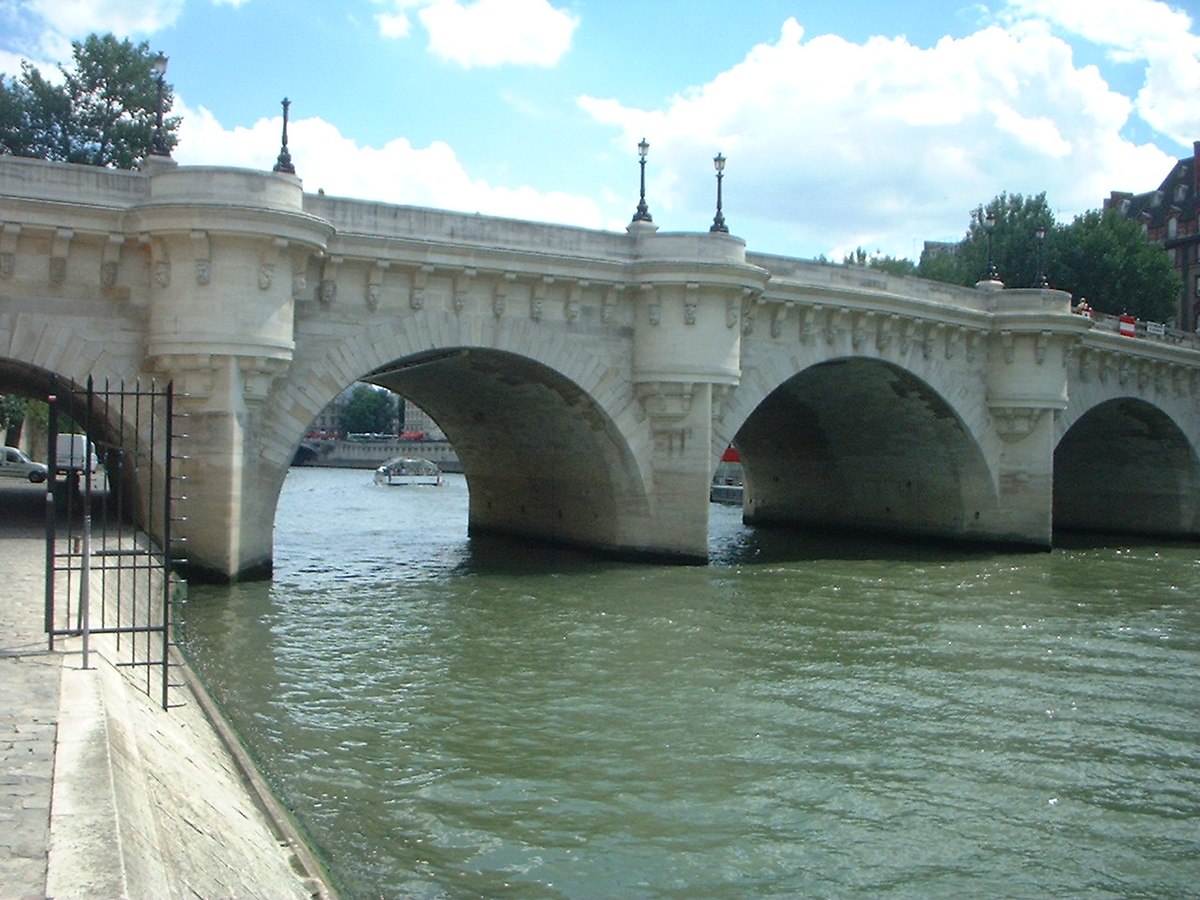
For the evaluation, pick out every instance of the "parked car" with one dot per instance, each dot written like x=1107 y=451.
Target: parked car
x=15 y=464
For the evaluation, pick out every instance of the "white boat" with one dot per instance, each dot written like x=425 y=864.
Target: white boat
x=408 y=470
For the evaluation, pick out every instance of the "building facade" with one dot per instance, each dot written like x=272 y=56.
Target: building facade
x=1168 y=216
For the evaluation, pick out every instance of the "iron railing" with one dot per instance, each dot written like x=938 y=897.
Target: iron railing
x=109 y=525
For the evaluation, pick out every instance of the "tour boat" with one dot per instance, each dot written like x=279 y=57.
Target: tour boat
x=408 y=470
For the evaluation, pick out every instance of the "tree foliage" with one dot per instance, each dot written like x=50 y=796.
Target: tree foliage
x=12 y=416
x=1100 y=256
x=1107 y=260
x=370 y=410
x=895 y=265
x=102 y=113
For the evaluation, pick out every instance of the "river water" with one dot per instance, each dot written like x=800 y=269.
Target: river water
x=455 y=717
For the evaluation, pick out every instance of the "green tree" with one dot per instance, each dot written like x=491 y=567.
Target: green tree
x=895 y=265
x=1105 y=258
x=369 y=410
x=12 y=416
x=1101 y=256
x=102 y=114
x=1013 y=221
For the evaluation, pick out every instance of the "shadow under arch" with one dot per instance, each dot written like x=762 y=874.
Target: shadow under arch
x=863 y=445
x=1124 y=467
x=541 y=457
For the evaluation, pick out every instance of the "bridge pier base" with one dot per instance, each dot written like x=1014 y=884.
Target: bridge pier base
x=1025 y=477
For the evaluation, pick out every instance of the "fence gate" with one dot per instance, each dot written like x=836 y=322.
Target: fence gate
x=110 y=507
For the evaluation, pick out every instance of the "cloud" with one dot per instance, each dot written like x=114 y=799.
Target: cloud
x=486 y=33
x=397 y=172
x=833 y=143
x=78 y=18
x=1138 y=31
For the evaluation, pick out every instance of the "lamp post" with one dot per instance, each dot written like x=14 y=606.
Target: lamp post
x=1040 y=281
x=989 y=225
x=643 y=211
x=158 y=147
x=719 y=219
x=284 y=162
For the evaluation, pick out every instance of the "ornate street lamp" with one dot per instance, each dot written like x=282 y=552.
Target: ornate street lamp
x=719 y=219
x=1040 y=281
x=158 y=147
x=284 y=163
x=643 y=211
x=989 y=225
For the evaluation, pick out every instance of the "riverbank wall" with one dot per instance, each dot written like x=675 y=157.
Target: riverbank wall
x=371 y=454
x=107 y=793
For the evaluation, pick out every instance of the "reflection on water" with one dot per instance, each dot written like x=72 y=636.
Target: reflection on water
x=454 y=716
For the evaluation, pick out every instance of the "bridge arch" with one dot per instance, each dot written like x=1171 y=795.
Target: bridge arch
x=866 y=444
x=549 y=437
x=1124 y=465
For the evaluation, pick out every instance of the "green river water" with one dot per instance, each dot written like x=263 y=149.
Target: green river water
x=456 y=717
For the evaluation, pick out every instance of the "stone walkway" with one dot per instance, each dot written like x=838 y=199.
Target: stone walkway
x=102 y=792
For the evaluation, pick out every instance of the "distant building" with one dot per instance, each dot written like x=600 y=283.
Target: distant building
x=1168 y=216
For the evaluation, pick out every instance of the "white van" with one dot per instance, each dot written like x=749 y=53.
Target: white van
x=74 y=453
x=15 y=464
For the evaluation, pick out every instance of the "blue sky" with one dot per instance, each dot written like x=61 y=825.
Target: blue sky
x=870 y=123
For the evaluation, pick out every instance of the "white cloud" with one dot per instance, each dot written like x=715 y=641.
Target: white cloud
x=486 y=33
x=833 y=143
x=394 y=25
x=394 y=173
x=78 y=18
x=1139 y=30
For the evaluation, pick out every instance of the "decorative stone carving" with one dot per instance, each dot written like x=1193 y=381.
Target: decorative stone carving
x=462 y=286
x=859 y=328
x=9 y=233
x=608 y=307
x=110 y=260
x=1016 y=422
x=500 y=295
x=162 y=273
x=58 y=255
x=375 y=283
x=888 y=325
x=571 y=309
x=203 y=272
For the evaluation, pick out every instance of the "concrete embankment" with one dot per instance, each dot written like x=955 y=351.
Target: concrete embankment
x=106 y=793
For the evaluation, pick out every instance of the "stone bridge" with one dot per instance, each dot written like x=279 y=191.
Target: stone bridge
x=588 y=380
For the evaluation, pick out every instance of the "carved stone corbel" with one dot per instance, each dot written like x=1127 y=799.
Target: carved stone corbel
x=608 y=306
x=9 y=233
x=462 y=288
x=690 y=301
x=327 y=292
x=58 y=255
x=375 y=282
x=202 y=254
x=416 y=291
x=1015 y=422
x=500 y=293
x=110 y=260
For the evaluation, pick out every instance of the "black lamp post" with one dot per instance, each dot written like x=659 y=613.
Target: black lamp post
x=719 y=219
x=1041 y=281
x=989 y=225
x=284 y=162
x=158 y=147
x=643 y=211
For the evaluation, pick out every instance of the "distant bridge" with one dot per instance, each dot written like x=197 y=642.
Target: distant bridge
x=589 y=381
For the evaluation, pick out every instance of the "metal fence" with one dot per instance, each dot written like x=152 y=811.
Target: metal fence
x=111 y=503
